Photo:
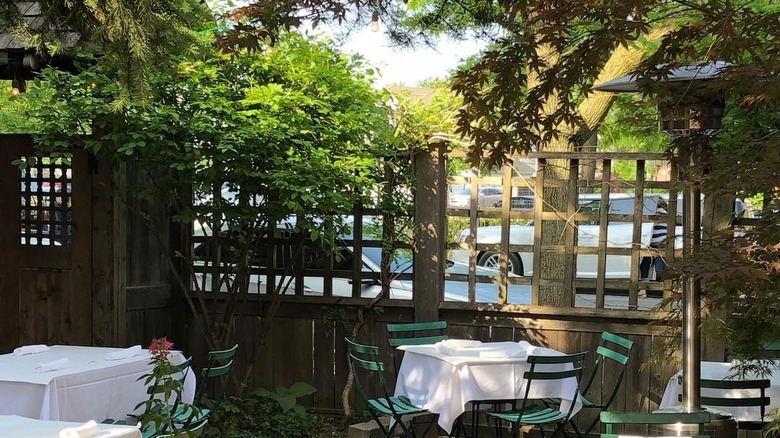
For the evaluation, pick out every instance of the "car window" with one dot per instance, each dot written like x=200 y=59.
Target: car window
x=623 y=206
x=400 y=264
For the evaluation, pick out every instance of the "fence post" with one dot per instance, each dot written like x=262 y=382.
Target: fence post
x=430 y=242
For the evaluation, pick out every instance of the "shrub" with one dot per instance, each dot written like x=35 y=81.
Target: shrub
x=254 y=417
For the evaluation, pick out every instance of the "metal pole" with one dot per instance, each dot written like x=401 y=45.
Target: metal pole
x=691 y=342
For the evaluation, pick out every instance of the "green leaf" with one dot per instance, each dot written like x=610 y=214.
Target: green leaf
x=287 y=402
x=300 y=389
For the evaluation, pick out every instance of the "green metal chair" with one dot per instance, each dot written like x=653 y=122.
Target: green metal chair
x=368 y=372
x=153 y=391
x=611 y=348
x=610 y=419
x=218 y=366
x=760 y=400
x=535 y=412
x=416 y=333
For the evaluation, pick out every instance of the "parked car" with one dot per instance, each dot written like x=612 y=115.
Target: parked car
x=486 y=197
x=315 y=258
x=620 y=235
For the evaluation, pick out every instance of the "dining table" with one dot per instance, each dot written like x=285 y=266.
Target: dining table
x=89 y=387
x=14 y=426
x=721 y=371
x=444 y=377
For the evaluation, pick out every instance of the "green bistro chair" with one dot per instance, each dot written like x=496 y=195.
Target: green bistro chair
x=182 y=369
x=416 y=333
x=533 y=412
x=368 y=371
x=759 y=400
x=610 y=419
x=612 y=348
x=217 y=370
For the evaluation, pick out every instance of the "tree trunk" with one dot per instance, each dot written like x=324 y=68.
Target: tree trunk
x=592 y=111
x=588 y=167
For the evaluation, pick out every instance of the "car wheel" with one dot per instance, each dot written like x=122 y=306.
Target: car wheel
x=492 y=260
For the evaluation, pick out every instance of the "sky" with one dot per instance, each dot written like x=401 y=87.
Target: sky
x=404 y=66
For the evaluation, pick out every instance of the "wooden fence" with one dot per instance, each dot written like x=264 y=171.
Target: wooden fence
x=306 y=340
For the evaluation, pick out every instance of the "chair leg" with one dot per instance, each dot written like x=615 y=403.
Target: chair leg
x=576 y=429
x=458 y=427
x=474 y=419
x=588 y=429
x=560 y=428
x=385 y=431
x=428 y=427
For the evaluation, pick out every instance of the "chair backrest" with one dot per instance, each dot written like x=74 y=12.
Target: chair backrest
x=218 y=365
x=771 y=349
x=727 y=397
x=416 y=333
x=609 y=419
x=615 y=348
x=571 y=361
x=366 y=364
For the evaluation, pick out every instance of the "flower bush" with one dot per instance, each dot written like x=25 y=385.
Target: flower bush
x=165 y=395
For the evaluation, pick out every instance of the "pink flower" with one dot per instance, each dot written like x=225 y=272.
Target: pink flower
x=160 y=346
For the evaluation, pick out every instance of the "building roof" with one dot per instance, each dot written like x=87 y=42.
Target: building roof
x=14 y=49
x=695 y=71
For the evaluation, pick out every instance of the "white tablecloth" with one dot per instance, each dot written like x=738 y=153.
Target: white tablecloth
x=721 y=370
x=13 y=426
x=444 y=383
x=90 y=388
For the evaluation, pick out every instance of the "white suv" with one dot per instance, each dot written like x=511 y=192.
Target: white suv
x=619 y=235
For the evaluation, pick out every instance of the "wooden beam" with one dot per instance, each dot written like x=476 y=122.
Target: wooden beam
x=430 y=200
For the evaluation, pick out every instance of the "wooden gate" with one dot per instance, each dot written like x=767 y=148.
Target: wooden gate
x=45 y=247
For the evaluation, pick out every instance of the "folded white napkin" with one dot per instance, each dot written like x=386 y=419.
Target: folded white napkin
x=55 y=365
x=459 y=343
x=31 y=349
x=505 y=352
x=124 y=354
x=453 y=347
x=87 y=430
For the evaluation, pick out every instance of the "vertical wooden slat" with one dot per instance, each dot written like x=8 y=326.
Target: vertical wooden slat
x=109 y=306
x=327 y=278
x=571 y=231
x=357 y=250
x=473 y=224
x=506 y=204
x=538 y=210
x=590 y=341
x=671 y=228
x=498 y=334
x=606 y=179
x=636 y=237
x=340 y=363
x=388 y=234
